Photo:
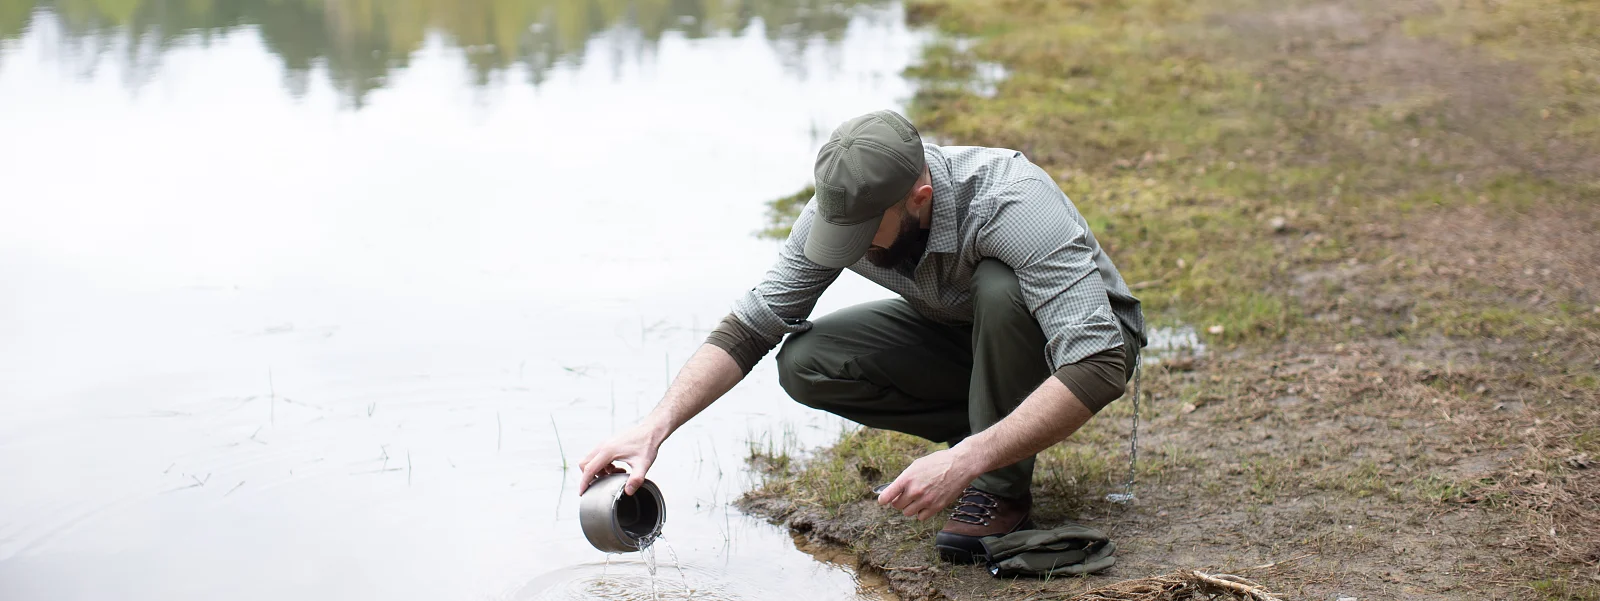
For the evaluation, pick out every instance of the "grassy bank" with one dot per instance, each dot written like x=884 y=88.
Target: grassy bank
x=1382 y=215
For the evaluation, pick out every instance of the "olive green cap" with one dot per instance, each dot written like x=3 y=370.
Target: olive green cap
x=869 y=164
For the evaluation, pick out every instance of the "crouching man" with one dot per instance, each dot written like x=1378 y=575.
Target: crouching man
x=1012 y=329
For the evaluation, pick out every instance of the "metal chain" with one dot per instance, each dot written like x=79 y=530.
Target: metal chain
x=1133 y=441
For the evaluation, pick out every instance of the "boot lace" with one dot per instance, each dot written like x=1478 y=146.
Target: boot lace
x=975 y=507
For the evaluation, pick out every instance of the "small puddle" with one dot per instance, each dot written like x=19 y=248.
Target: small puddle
x=870 y=582
x=1172 y=343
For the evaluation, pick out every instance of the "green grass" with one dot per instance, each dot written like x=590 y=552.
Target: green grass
x=1093 y=462
x=1564 y=589
x=843 y=473
x=773 y=453
x=1440 y=489
x=782 y=212
x=1180 y=140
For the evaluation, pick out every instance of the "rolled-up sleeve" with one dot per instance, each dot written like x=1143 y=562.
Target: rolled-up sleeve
x=783 y=300
x=1034 y=230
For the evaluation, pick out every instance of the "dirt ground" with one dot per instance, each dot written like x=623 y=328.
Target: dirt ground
x=1381 y=216
x=1367 y=471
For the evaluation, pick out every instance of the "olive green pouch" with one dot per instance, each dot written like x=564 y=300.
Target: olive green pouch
x=1069 y=550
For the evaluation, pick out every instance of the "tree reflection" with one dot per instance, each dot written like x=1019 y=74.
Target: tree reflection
x=359 y=42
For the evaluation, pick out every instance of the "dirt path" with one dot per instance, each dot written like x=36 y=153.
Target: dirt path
x=1384 y=216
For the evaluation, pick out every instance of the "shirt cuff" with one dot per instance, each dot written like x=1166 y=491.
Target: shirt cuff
x=742 y=343
x=1097 y=379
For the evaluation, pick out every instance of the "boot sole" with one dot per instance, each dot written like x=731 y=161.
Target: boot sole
x=957 y=555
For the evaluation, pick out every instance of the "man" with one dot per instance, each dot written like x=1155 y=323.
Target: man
x=1013 y=328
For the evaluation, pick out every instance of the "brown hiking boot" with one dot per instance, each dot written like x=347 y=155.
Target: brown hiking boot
x=978 y=514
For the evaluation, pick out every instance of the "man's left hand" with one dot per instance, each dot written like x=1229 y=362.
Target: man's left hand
x=930 y=484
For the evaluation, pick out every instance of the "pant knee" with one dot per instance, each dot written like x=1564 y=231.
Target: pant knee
x=996 y=290
x=796 y=369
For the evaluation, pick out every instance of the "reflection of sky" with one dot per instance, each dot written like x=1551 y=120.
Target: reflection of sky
x=358 y=43
x=417 y=276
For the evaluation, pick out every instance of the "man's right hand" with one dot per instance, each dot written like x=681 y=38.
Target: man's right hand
x=709 y=374
x=635 y=447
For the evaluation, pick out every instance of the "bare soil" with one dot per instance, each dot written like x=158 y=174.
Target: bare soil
x=1336 y=464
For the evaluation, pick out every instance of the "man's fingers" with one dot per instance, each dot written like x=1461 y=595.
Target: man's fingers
x=915 y=507
x=584 y=480
x=905 y=501
x=915 y=495
x=902 y=501
x=889 y=494
x=585 y=476
x=586 y=465
x=599 y=465
x=592 y=469
x=938 y=506
x=926 y=507
x=637 y=467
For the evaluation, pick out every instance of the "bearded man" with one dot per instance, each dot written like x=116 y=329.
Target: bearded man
x=1013 y=327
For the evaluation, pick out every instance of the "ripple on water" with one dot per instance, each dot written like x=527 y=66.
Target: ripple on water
x=630 y=581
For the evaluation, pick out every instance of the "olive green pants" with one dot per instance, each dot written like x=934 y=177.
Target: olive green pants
x=883 y=365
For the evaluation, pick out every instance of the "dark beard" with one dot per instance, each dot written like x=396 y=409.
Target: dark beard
x=907 y=246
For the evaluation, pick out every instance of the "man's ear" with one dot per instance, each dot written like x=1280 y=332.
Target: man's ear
x=920 y=199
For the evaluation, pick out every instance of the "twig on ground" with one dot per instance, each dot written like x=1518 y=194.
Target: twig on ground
x=1168 y=587
x=1278 y=564
x=1237 y=585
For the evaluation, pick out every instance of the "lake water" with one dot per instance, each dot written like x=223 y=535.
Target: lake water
x=313 y=299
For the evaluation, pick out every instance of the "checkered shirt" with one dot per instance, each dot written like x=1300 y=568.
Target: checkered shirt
x=987 y=202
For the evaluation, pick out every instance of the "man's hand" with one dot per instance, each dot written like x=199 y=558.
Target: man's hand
x=930 y=484
x=635 y=447
x=708 y=375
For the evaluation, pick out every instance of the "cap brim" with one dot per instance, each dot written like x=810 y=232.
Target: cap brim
x=839 y=246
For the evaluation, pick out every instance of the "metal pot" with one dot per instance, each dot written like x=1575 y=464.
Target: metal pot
x=618 y=523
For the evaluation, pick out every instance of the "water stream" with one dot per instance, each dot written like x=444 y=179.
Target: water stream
x=324 y=299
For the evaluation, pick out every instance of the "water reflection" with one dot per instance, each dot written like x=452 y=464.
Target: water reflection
x=264 y=348
x=359 y=43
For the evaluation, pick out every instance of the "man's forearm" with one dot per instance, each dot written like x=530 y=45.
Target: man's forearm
x=710 y=373
x=1049 y=415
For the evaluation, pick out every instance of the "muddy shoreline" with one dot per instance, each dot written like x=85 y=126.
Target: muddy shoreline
x=848 y=539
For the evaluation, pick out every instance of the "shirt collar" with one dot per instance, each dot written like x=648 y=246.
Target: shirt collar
x=948 y=208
